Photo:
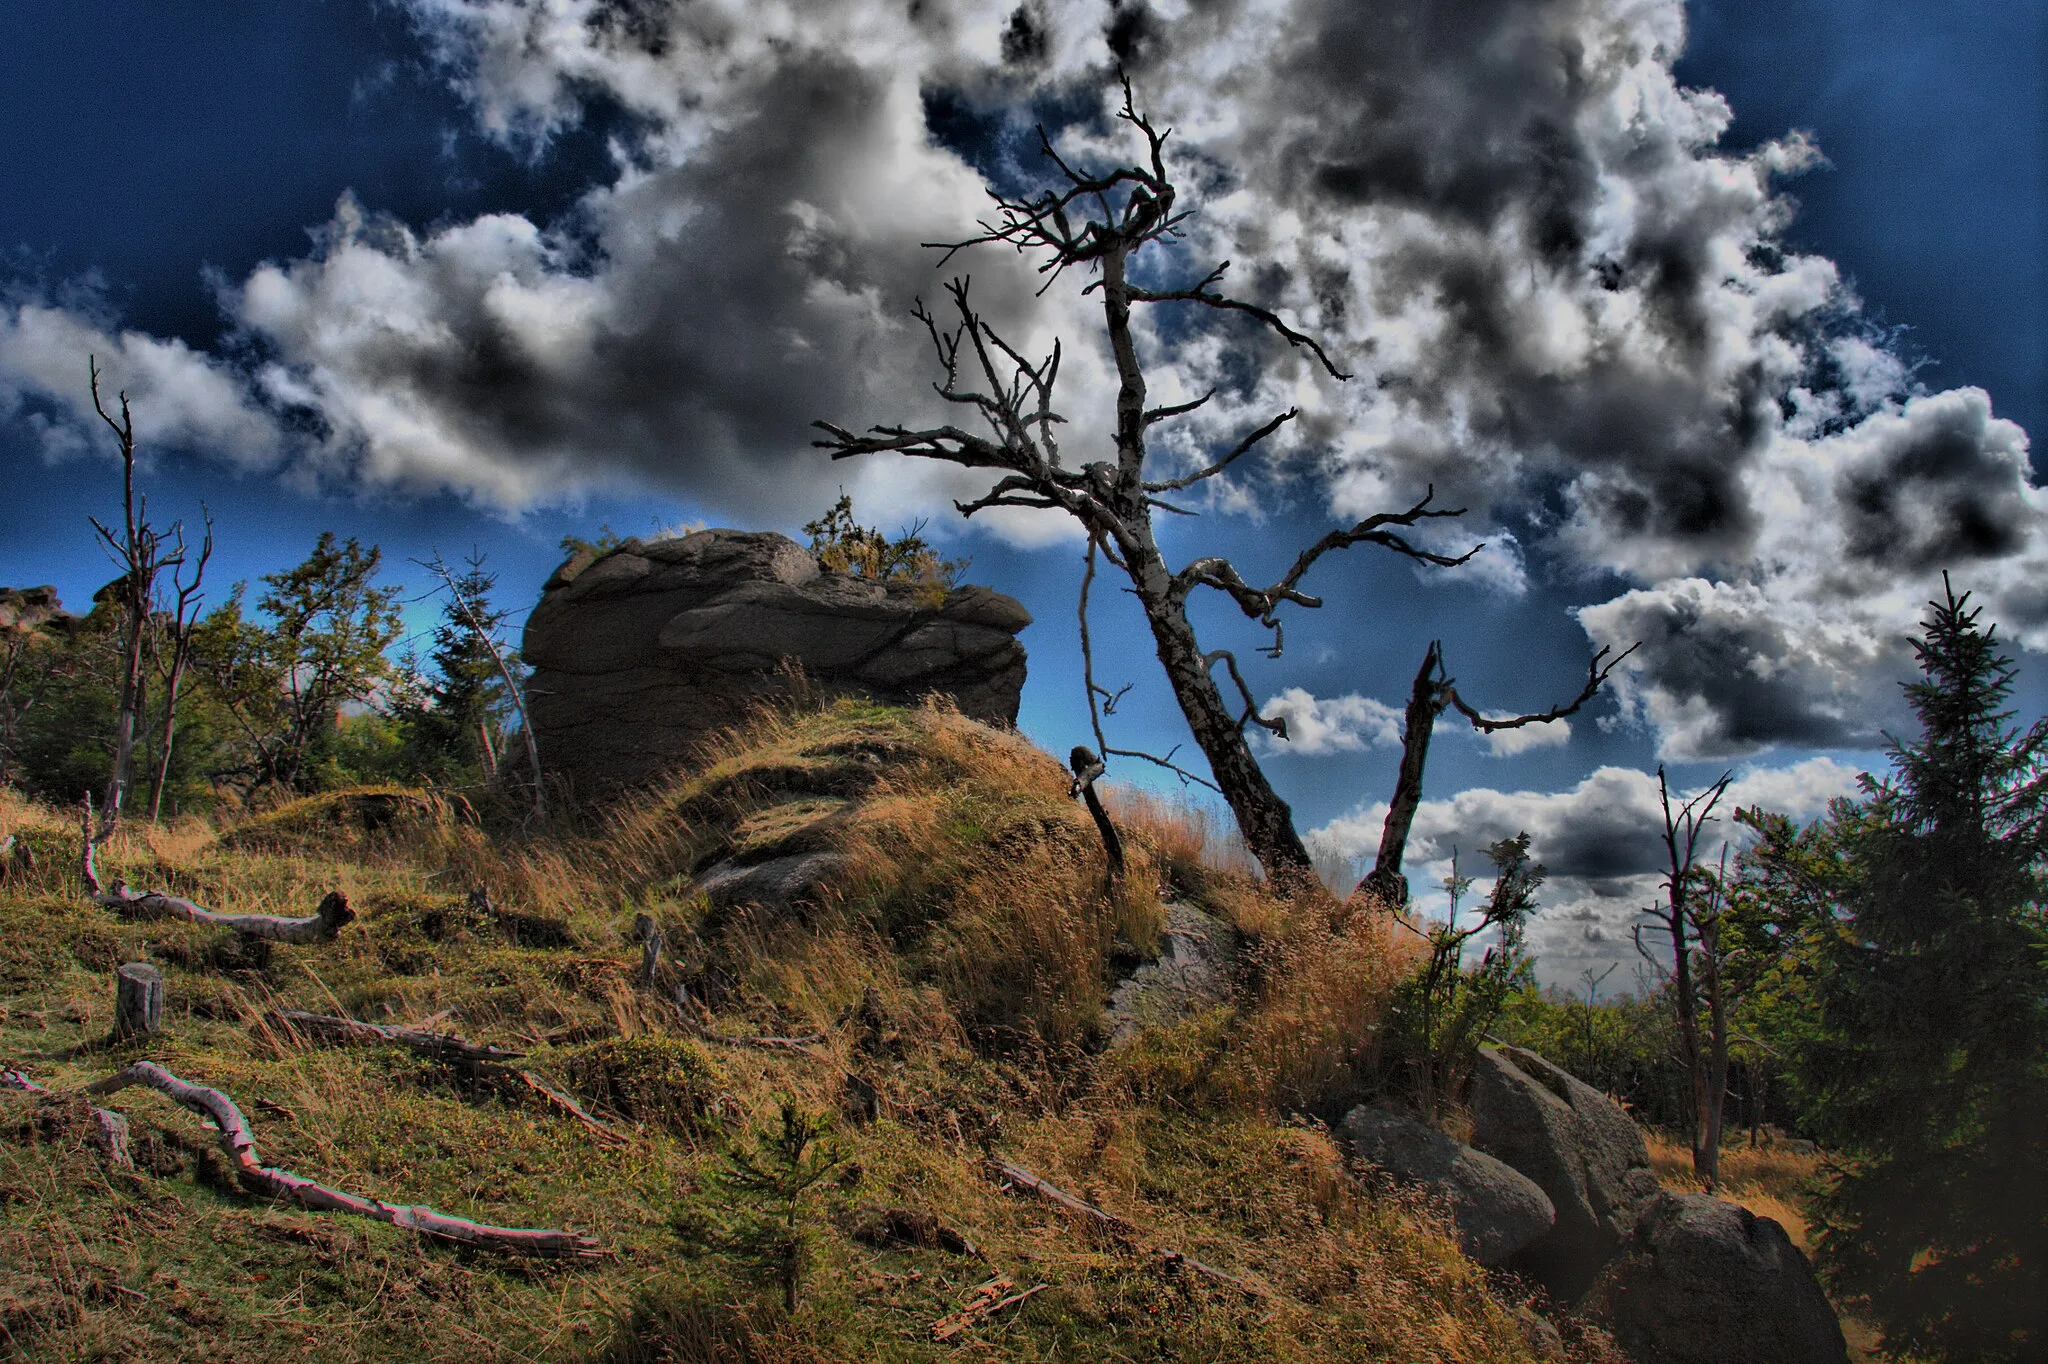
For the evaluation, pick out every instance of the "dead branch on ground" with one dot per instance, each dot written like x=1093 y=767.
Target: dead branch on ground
x=471 y=1057
x=320 y=926
x=239 y=1144
x=1172 y=1261
x=987 y=1300
x=110 y=1129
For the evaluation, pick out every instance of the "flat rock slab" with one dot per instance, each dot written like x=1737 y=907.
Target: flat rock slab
x=641 y=654
x=1496 y=1209
x=1192 y=972
x=1700 y=1281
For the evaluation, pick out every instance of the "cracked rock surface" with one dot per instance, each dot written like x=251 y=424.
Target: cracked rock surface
x=640 y=654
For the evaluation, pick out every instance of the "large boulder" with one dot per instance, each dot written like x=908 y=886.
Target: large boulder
x=1700 y=1281
x=1579 y=1147
x=1496 y=1210
x=640 y=653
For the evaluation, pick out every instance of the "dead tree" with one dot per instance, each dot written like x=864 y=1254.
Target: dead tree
x=473 y=612
x=1689 y=919
x=1119 y=214
x=142 y=552
x=184 y=615
x=1434 y=692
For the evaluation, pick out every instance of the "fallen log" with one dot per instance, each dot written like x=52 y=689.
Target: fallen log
x=442 y=1046
x=320 y=926
x=1171 y=1261
x=473 y=1057
x=239 y=1144
x=987 y=1300
x=110 y=1129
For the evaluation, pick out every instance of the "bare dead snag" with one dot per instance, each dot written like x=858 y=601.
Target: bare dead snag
x=1434 y=692
x=1009 y=399
x=239 y=1144
x=1690 y=918
x=1171 y=1261
x=110 y=1129
x=476 y=614
x=184 y=617
x=1087 y=767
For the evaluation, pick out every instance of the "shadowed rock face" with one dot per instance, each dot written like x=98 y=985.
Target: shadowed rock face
x=1700 y=1281
x=642 y=653
x=1496 y=1209
x=1584 y=1153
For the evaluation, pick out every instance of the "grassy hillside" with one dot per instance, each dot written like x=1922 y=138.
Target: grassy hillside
x=947 y=1005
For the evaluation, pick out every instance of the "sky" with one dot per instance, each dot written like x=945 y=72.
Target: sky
x=1724 y=322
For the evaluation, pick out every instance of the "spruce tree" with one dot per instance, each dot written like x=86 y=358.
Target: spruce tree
x=1928 y=1063
x=464 y=693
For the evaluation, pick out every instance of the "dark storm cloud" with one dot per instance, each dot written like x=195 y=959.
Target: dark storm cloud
x=1505 y=215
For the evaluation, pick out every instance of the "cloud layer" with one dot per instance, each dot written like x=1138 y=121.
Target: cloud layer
x=1565 y=307
x=1601 y=842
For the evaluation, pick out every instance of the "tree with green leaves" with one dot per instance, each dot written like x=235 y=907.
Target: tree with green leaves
x=285 y=681
x=1444 y=1010
x=843 y=545
x=1925 y=1055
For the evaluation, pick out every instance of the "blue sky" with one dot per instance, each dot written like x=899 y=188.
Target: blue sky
x=1726 y=320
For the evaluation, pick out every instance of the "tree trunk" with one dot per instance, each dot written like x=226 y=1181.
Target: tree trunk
x=1386 y=879
x=1717 y=1061
x=131 y=708
x=170 y=731
x=1264 y=818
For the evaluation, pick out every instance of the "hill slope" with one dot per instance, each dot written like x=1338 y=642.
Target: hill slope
x=939 y=1004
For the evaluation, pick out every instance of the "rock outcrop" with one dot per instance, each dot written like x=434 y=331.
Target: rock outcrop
x=1496 y=1209
x=1579 y=1147
x=1700 y=1281
x=24 y=610
x=641 y=653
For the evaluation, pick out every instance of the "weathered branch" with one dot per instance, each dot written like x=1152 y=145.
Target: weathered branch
x=320 y=926
x=1087 y=767
x=1209 y=298
x=239 y=1144
x=1236 y=451
x=987 y=1300
x=1172 y=1260
x=1596 y=678
x=441 y=1046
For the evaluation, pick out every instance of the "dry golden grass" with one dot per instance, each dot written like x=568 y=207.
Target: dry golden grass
x=953 y=984
x=1771 y=1180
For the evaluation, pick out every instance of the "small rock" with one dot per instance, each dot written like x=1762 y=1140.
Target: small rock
x=776 y=885
x=1495 y=1209
x=1700 y=1281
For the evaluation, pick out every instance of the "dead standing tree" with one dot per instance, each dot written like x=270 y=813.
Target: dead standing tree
x=1690 y=918
x=1434 y=692
x=1122 y=213
x=142 y=552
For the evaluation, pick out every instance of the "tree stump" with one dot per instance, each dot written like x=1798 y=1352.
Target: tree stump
x=138 y=999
